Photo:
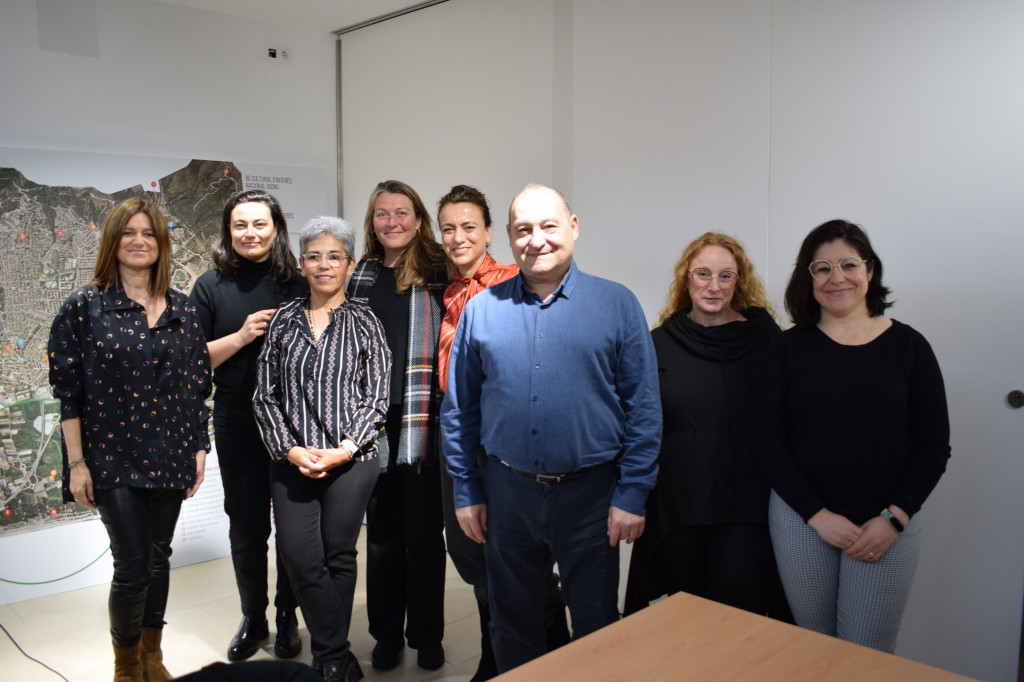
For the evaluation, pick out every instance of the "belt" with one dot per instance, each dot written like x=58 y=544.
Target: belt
x=548 y=479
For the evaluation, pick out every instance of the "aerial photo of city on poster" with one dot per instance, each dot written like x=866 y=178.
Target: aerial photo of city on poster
x=49 y=236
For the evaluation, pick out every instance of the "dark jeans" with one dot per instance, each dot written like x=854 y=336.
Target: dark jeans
x=140 y=524
x=731 y=563
x=244 y=467
x=468 y=557
x=318 y=524
x=405 y=554
x=530 y=525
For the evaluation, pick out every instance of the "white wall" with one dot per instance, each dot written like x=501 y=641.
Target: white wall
x=165 y=81
x=433 y=99
x=662 y=119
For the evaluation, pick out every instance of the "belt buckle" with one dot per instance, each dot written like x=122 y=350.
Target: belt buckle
x=549 y=479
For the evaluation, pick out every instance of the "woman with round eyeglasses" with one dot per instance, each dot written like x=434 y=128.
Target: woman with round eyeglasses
x=853 y=430
x=402 y=276
x=321 y=397
x=707 y=518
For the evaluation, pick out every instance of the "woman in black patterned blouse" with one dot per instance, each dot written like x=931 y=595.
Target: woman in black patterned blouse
x=129 y=364
x=321 y=400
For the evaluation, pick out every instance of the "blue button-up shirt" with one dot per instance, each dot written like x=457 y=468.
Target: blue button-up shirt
x=554 y=386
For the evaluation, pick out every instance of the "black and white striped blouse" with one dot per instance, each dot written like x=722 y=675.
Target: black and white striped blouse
x=319 y=393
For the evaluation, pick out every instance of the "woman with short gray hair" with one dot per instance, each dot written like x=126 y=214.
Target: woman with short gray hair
x=322 y=392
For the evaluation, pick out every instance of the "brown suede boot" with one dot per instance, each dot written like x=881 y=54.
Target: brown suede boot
x=127 y=666
x=152 y=657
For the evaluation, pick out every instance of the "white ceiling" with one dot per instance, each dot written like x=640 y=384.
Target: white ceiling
x=326 y=15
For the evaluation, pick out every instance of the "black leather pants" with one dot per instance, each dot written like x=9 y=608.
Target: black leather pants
x=140 y=524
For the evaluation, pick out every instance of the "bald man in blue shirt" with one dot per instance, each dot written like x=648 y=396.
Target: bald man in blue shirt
x=554 y=378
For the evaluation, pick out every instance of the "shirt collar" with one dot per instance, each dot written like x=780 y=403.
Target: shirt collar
x=115 y=299
x=564 y=289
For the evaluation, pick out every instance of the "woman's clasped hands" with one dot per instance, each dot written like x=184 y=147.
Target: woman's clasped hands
x=317 y=462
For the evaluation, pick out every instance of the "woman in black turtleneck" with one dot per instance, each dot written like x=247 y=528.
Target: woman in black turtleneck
x=707 y=518
x=255 y=272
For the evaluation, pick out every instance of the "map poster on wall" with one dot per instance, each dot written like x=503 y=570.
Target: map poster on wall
x=52 y=207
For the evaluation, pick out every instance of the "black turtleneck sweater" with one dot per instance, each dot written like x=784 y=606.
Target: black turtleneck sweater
x=224 y=304
x=707 y=473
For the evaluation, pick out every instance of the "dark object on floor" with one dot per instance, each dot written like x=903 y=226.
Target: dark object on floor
x=256 y=671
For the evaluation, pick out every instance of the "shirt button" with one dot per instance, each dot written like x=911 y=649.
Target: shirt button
x=535 y=398
x=537 y=366
x=533 y=431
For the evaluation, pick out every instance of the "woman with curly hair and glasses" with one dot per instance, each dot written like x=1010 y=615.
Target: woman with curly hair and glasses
x=707 y=518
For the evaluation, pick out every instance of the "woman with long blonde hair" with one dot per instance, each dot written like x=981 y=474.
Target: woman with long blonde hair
x=402 y=276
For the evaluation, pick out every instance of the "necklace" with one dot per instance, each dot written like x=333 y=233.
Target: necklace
x=144 y=302
x=312 y=324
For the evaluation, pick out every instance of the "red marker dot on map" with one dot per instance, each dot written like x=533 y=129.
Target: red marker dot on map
x=7 y=348
x=7 y=512
x=53 y=473
x=153 y=184
x=22 y=236
x=53 y=512
x=92 y=226
x=60 y=233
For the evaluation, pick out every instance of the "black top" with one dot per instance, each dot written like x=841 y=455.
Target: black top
x=707 y=473
x=139 y=393
x=852 y=428
x=224 y=304
x=393 y=311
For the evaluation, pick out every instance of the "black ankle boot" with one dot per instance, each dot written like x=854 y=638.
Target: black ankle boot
x=287 y=644
x=247 y=641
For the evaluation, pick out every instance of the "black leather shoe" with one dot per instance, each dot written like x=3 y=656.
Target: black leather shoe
x=287 y=644
x=385 y=654
x=246 y=642
x=430 y=657
x=344 y=671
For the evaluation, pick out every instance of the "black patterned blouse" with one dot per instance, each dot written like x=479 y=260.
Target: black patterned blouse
x=139 y=392
x=319 y=394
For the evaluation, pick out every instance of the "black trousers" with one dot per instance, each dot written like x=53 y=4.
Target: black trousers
x=318 y=524
x=245 y=473
x=405 y=554
x=730 y=563
x=140 y=524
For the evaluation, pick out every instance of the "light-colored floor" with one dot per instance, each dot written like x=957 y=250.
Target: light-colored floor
x=70 y=633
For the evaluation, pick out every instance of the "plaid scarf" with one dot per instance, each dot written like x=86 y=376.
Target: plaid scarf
x=421 y=402
x=456 y=296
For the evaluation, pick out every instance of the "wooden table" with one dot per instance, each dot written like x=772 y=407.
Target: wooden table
x=685 y=637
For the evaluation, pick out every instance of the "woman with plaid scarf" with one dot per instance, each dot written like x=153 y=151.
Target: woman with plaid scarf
x=402 y=276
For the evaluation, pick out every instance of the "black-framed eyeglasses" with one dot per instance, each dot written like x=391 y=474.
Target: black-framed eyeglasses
x=702 y=277
x=849 y=266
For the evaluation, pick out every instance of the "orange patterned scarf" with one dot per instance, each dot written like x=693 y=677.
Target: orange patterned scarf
x=456 y=296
